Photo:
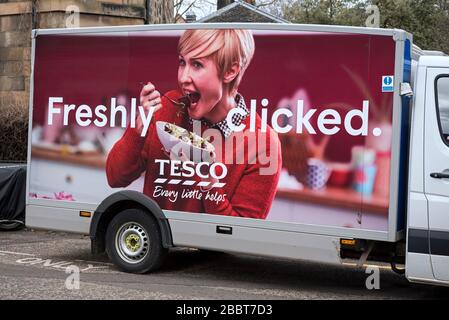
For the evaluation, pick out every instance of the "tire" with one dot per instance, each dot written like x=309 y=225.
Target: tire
x=11 y=226
x=134 y=242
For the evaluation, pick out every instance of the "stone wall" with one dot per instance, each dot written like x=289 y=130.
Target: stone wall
x=19 y=17
x=15 y=53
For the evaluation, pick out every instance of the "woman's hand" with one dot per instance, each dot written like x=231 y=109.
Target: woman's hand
x=149 y=97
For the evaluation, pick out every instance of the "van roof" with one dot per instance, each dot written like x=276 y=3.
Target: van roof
x=434 y=61
x=398 y=34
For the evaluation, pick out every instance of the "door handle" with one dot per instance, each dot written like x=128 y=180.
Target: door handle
x=439 y=175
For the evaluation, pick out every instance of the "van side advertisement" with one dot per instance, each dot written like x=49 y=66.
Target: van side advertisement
x=235 y=122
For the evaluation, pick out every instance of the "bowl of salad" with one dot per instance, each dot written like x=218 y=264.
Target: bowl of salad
x=178 y=141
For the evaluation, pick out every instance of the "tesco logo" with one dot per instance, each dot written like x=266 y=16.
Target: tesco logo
x=187 y=169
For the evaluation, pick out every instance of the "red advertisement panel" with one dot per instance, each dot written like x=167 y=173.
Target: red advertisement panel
x=274 y=125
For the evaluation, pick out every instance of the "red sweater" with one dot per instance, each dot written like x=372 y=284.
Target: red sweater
x=246 y=193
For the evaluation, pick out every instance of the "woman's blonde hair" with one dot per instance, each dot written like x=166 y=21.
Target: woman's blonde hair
x=224 y=46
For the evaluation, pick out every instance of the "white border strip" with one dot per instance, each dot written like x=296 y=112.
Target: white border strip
x=253 y=26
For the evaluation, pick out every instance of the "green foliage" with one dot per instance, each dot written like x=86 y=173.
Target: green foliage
x=427 y=20
x=324 y=11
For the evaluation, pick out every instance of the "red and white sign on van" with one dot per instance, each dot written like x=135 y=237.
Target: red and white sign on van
x=267 y=126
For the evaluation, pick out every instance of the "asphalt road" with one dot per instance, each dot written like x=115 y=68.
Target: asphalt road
x=33 y=266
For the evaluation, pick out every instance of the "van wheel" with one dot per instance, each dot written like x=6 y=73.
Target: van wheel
x=134 y=242
x=11 y=225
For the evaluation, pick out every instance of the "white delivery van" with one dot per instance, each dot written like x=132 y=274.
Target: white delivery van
x=321 y=143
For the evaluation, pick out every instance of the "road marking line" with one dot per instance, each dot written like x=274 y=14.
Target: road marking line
x=18 y=253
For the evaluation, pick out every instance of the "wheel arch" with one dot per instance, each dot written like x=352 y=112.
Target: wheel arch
x=116 y=203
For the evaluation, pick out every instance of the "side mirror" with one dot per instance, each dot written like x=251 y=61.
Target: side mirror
x=406 y=90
